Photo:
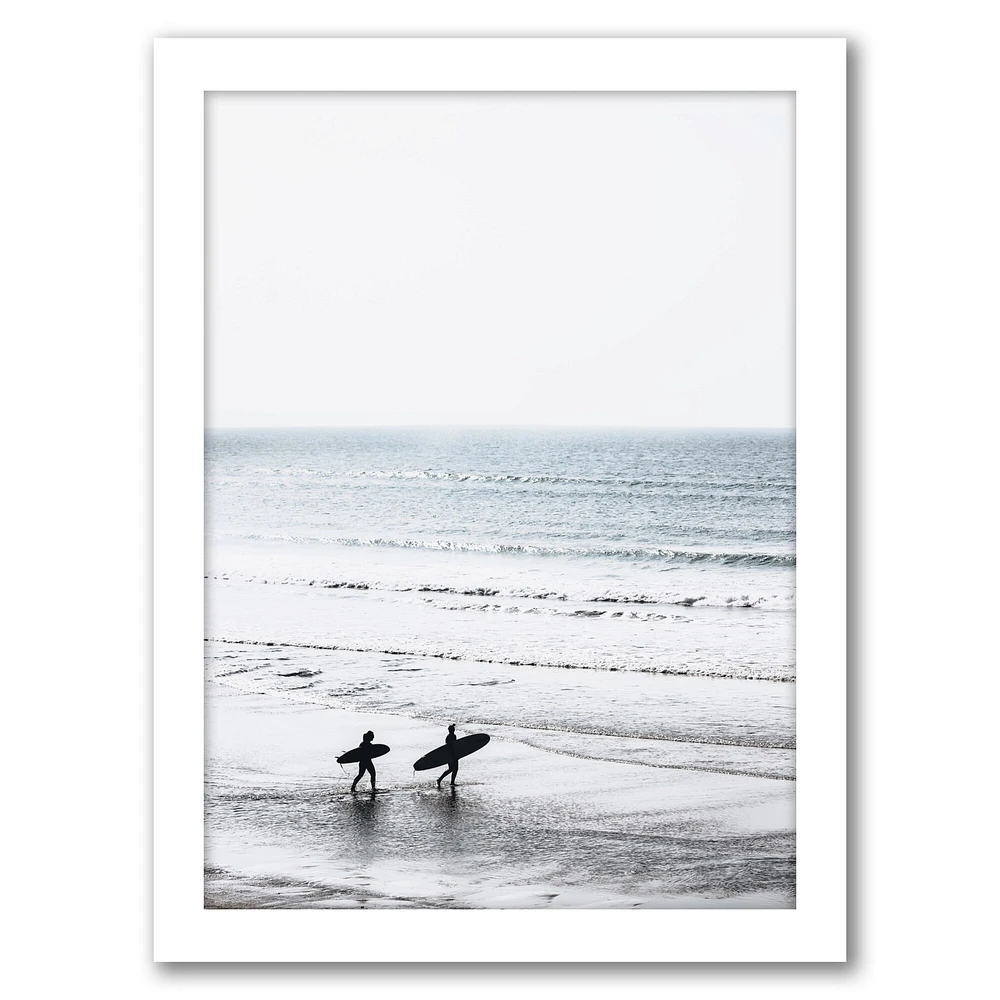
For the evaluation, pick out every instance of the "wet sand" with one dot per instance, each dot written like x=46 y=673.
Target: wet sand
x=524 y=827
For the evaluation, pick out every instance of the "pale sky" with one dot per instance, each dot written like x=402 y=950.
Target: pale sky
x=577 y=259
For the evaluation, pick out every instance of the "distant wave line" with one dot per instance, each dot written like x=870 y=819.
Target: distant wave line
x=532 y=479
x=517 y=548
x=557 y=480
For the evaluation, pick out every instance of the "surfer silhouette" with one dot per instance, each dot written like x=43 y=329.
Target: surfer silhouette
x=453 y=749
x=449 y=742
x=365 y=760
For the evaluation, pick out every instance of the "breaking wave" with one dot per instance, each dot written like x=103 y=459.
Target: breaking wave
x=682 y=600
x=633 y=553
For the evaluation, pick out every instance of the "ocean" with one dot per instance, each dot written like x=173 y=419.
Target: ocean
x=622 y=598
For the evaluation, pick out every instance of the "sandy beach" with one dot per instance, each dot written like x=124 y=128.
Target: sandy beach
x=615 y=609
x=524 y=827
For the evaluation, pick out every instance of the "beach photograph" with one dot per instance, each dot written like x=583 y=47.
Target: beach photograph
x=500 y=483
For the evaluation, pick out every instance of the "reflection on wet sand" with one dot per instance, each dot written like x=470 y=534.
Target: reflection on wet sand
x=531 y=829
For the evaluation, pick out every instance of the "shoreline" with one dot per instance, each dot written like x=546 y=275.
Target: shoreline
x=497 y=661
x=527 y=826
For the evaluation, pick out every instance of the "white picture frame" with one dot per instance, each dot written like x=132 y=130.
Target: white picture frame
x=184 y=71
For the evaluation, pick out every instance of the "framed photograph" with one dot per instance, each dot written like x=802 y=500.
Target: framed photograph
x=499 y=485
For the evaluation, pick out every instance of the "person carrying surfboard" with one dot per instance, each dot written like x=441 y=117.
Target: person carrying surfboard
x=450 y=753
x=365 y=760
x=449 y=742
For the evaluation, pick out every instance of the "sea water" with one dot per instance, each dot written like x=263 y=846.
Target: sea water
x=501 y=577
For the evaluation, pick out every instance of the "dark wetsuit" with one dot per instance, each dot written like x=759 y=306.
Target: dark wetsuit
x=365 y=764
x=449 y=741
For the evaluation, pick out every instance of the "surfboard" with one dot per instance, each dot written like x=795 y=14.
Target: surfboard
x=442 y=755
x=353 y=756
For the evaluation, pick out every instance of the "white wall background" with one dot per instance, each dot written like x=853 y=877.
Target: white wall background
x=76 y=216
